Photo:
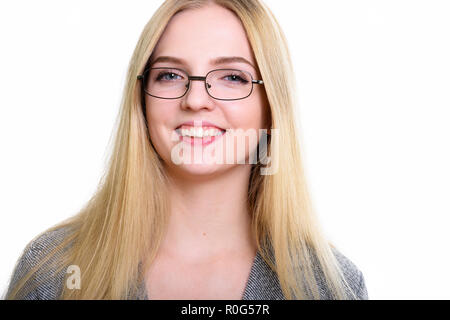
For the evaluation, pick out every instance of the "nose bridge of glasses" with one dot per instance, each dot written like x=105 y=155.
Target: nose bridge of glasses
x=199 y=78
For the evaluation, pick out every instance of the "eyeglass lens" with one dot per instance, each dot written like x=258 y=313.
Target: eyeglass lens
x=220 y=84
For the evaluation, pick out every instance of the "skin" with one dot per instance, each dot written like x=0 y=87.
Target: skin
x=209 y=226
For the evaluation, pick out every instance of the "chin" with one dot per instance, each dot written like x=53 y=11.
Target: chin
x=200 y=171
x=203 y=169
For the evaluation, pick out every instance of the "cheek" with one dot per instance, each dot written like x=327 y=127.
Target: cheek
x=246 y=114
x=159 y=120
x=159 y=113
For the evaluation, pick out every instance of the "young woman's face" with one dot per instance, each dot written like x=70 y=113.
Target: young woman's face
x=193 y=40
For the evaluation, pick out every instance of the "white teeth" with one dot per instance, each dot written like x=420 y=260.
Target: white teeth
x=200 y=132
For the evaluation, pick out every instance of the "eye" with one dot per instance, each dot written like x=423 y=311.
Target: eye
x=235 y=78
x=168 y=76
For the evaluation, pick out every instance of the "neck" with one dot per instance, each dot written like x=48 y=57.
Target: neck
x=209 y=216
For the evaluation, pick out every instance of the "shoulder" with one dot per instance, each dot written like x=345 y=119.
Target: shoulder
x=353 y=275
x=263 y=282
x=50 y=238
x=43 y=284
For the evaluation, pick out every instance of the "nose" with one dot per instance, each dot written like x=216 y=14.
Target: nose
x=197 y=97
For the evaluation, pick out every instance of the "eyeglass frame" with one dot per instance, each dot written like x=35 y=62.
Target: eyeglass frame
x=199 y=78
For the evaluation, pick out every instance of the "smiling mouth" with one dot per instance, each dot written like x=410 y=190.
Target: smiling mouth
x=199 y=132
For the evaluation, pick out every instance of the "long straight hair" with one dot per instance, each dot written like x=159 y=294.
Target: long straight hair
x=122 y=225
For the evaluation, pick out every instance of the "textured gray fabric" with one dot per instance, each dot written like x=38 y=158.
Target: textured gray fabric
x=52 y=282
x=262 y=283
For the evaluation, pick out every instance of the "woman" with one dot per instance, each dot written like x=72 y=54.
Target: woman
x=165 y=223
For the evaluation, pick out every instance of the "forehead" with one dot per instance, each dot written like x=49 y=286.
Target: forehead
x=198 y=35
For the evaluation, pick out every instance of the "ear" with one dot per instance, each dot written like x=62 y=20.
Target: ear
x=268 y=124
x=267 y=116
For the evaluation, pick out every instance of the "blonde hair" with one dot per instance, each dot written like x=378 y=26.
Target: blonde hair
x=124 y=221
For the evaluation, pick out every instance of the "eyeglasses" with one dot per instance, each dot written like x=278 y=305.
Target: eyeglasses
x=221 y=84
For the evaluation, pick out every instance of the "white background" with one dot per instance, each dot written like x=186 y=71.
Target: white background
x=373 y=80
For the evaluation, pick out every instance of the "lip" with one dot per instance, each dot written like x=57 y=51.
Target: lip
x=203 y=124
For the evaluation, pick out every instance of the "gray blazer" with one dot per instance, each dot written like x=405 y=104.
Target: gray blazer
x=262 y=283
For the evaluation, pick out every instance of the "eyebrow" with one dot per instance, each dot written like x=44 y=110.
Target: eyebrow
x=216 y=61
